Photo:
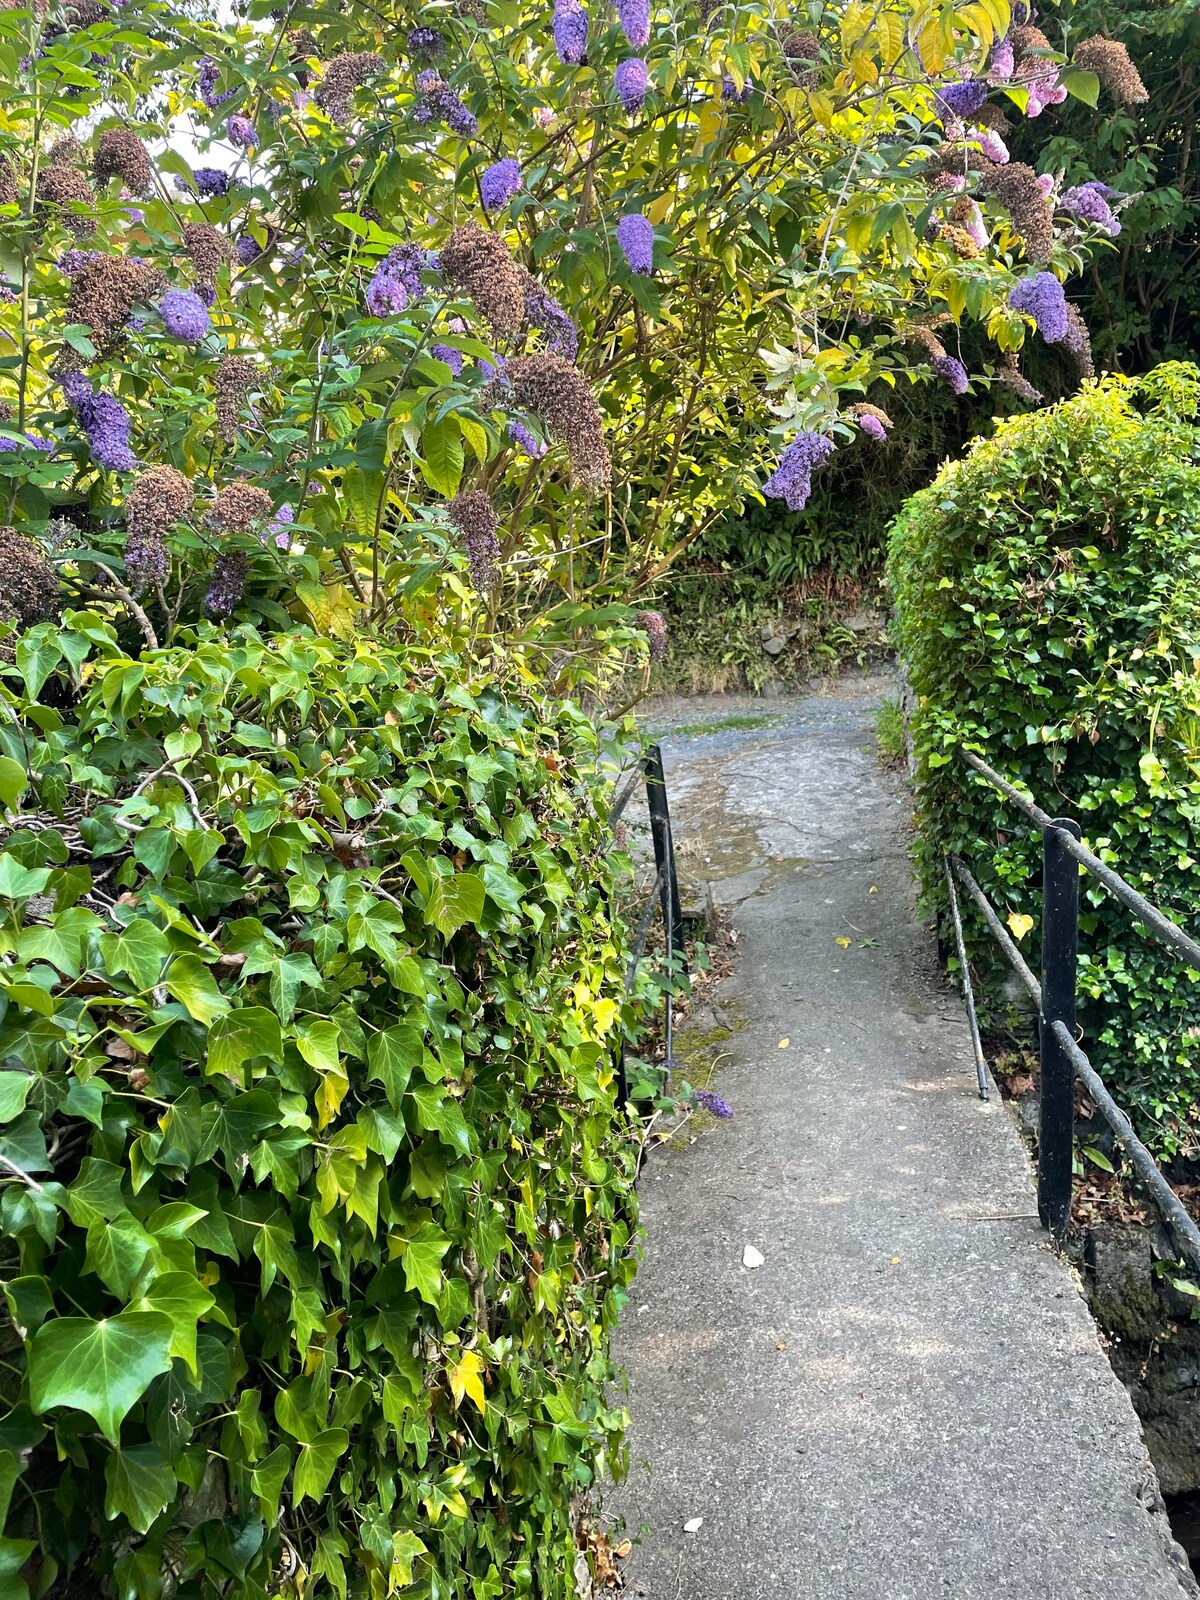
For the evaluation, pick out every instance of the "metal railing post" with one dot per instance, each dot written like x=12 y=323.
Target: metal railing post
x=1060 y=948
x=664 y=854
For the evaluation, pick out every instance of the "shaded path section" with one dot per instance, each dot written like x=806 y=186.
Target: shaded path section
x=908 y=1398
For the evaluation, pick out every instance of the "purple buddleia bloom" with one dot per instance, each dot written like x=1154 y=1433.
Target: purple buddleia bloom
x=45 y=446
x=493 y=371
x=533 y=447
x=545 y=314
x=205 y=293
x=952 y=372
x=961 y=99
x=499 y=183
x=570 y=31
x=447 y=353
x=630 y=82
x=427 y=42
x=72 y=261
x=429 y=81
x=635 y=21
x=241 y=132
x=708 y=1101
x=278 y=530
x=990 y=145
x=731 y=92
x=654 y=625
x=1001 y=62
x=206 y=86
x=872 y=427
x=397 y=280
x=147 y=561
x=636 y=238
x=184 y=315
x=439 y=103
x=104 y=420
x=1088 y=202
x=791 y=481
x=210 y=182
x=1041 y=297
x=228 y=584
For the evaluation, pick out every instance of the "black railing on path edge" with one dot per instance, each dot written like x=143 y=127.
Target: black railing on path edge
x=664 y=890
x=1062 y=1060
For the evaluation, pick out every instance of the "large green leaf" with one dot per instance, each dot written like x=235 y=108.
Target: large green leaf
x=140 y=1484
x=442 y=450
x=453 y=900
x=14 y=781
x=267 y=1481
x=102 y=1368
x=185 y=1301
x=194 y=986
x=393 y=1055
x=14 y=1091
x=317 y=1463
x=422 y=1252
x=241 y=1035
x=139 y=949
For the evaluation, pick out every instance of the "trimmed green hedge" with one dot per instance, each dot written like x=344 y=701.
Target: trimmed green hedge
x=316 y=1205
x=1048 y=596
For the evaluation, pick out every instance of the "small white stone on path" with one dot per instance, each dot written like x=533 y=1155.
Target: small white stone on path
x=752 y=1257
x=693 y=1525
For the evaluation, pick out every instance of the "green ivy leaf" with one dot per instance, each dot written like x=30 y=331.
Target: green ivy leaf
x=140 y=1485
x=240 y=1036
x=102 y=1368
x=454 y=900
x=14 y=1091
x=317 y=1463
x=267 y=1481
x=179 y=1296
x=139 y=950
x=194 y=986
x=392 y=1057
x=422 y=1254
x=14 y=781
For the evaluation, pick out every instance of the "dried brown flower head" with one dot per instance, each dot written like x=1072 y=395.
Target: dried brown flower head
x=64 y=152
x=342 y=77
x=103 y=293
x=1016 y=188
x=1027 y=38
x=959 y=240
x=301 y=45
x=472 y=9
x=159 y=498
x=1109 y=60
x=207 y=249
x=553 y=389
x=475 y=261
x=28 y=584
x=925 y=339
x=862 y=408
x=235 y=378
x=802 y=51
x=59 y=186
x=474 y=517
x=238 y=507
x=1010 y=374
x=121 y=154
x=990 y=115
x=8 y=181
x=1078 y=342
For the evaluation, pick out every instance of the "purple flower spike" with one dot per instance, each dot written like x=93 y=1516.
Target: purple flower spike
x=241 y=132
x=952 y=372
x=791 y=481
x=708 y=1101
x=211 y=182
x=184 y=315
x=636 y=238
x=1041 y=297
x=1089 y=202
x=397 y=280
x=731 y=92
x=104 y=420
x=499 y=183
x=278 y=530
x=961 y=99
x=570 y=31
x=533 y=447
x=447 y=353
x=635 y=21
x=872 y=427
x=629 y=80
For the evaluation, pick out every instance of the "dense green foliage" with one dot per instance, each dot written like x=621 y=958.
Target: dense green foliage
x=315 y=1200
x=1048 y=597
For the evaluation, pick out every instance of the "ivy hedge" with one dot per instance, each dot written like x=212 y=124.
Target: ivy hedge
x=1047 y=590
x=316 y=1205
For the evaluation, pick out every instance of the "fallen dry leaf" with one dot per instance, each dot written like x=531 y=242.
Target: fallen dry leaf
x=842 y=942
x=693 y=1525
x=783 y=1043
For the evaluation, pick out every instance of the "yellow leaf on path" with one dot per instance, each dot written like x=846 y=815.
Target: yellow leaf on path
x=465 y=1380
x=843 y=942
x=1019 y=923
x=874 y=889
x=783 y=1043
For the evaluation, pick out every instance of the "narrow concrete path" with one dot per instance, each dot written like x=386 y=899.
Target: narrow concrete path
x=908 y=1398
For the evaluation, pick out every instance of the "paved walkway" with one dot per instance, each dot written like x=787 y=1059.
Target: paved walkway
x=908 y=1398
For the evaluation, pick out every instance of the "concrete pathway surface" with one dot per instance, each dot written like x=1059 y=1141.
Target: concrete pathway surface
x=908 y=1398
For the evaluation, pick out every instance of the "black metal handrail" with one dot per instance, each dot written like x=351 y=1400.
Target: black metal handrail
x=1062 y=1059
x=664 y=889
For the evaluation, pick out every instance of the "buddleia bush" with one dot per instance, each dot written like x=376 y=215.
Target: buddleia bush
x=316 y=1203
x=1047 y=592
